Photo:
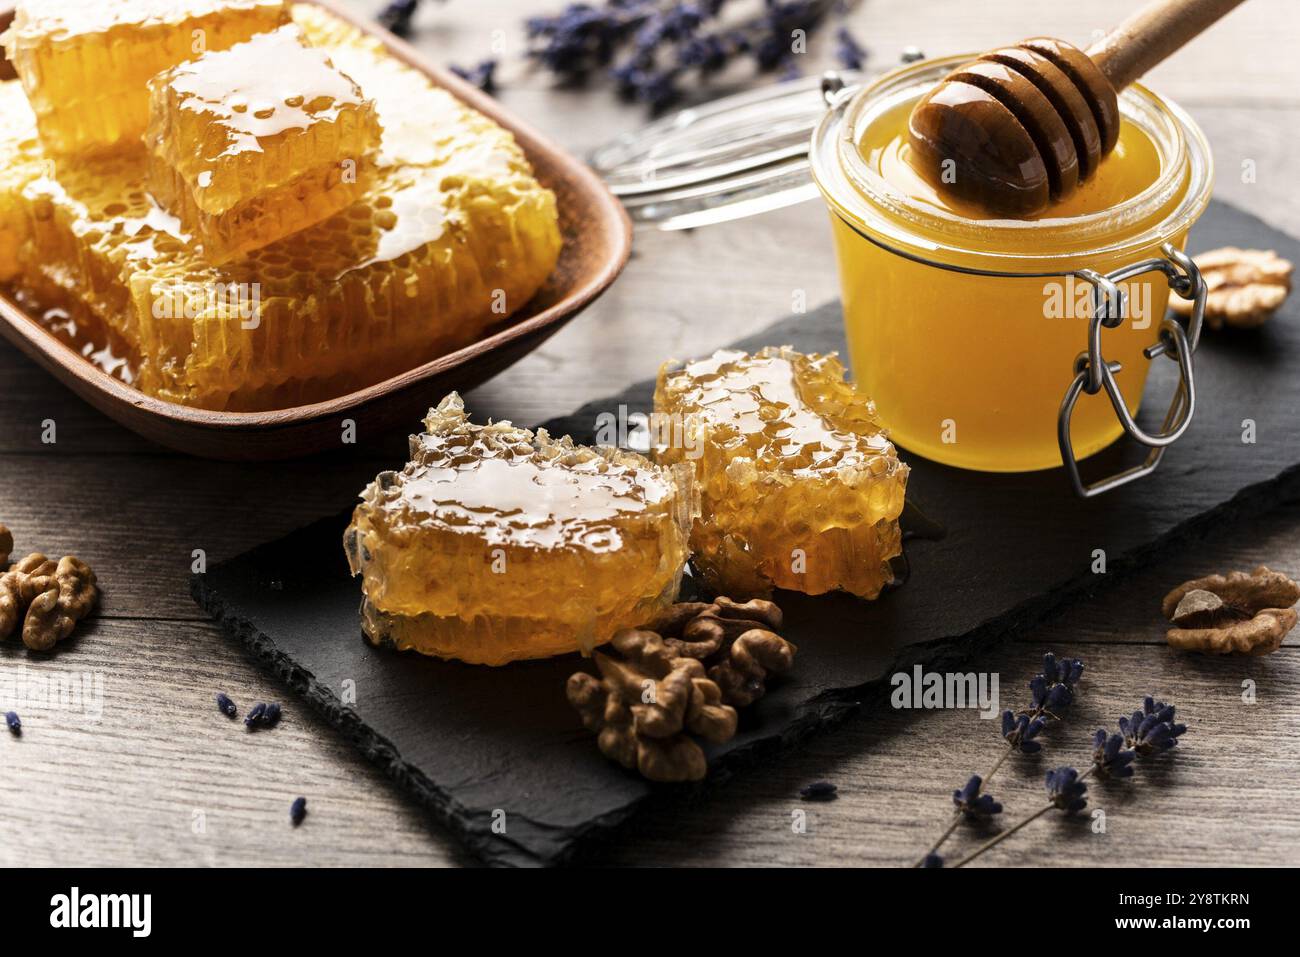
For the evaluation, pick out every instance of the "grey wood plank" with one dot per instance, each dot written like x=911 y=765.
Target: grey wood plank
x=138 y=519
x=125 y=759
x=1226 y=797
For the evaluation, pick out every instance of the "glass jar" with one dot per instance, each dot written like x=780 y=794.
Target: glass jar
x=968 y=332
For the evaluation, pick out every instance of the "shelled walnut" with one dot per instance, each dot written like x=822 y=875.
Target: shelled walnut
x=6 y=545
x=738 y=643
x=47 y=597
x=1243 y=286
x=1238 y=613
x=684 y=673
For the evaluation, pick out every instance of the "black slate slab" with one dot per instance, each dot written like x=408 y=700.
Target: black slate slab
x=479 y=745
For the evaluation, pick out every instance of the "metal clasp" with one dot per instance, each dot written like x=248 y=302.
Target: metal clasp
x=1092 y=373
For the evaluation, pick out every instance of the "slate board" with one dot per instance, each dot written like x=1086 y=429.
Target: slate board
x=470 y=741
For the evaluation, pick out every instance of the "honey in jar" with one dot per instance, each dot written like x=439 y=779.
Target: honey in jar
x=965 y=329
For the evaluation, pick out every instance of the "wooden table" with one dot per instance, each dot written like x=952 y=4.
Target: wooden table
x=126 y=760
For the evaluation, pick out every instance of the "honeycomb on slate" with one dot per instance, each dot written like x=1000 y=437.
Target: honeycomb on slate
x=451 y=235
x=495 y=544
x=800 y=486
x=246 y=155
x=85 y=64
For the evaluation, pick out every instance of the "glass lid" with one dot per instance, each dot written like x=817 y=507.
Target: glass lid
x=723 y=160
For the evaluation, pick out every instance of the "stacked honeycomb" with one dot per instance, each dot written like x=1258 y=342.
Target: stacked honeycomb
x=85 y=64
x=494 y=544
x=244 y=155
x=451 y=234
x=800 y=487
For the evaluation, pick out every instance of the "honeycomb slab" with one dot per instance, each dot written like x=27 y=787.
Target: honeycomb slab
x=800 y=486
x=451 y=235
x=496 y=544
x=86 y=64
x=20 y=163
x=258 y=142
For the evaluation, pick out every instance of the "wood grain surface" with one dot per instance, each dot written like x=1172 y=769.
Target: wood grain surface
x=124 y=758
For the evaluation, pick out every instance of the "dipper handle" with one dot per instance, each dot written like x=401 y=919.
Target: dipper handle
x=1152 y=34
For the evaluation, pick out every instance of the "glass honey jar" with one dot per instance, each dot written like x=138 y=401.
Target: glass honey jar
x=994 y=345
x=1008 y=345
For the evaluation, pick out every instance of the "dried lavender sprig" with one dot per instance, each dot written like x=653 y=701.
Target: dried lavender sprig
x=1051 y=691
x=1110 y=758
x=819 y=791
x=396 y=16
x=254 y=716
x=664 y=40
x=1151 y=730
x=972 y=804
x=1146 y=733
x=1054 y=685
x=848 y=51
x=263 y=716
x=481 y=75
x=1065 y=793
x=969 y=804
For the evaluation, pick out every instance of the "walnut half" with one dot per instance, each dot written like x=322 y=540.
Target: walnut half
x=1243 y=286
x=48 y=597
x=737 y=641
x=1238 y=613
x=6 y=545
x=683 y=674
x=644 y=703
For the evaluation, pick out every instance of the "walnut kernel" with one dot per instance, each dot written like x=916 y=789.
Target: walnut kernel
x=683 y=674
x=67 y=596
x=1238 y=613
x=1243 y=286
x=6 y=545
x=48 y=597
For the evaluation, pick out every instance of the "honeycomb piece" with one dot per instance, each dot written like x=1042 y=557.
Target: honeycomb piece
x=85 y=64
x=800 y=486
x=451 y=236
x=20 y=163
x=255 y=143
x=494 y=544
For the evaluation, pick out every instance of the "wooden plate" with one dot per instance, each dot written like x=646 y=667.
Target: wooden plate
x=597 y=243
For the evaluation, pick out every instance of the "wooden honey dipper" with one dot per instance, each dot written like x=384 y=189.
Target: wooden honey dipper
x=1021 y=127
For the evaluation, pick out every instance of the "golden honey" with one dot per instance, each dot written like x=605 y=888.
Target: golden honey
x=495 y=544
x=800 y=486
x=970 y=369
x=245 y=155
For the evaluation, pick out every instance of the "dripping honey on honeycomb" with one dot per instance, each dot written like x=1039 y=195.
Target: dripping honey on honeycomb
x=244 y=155
x=496 y=544
x=800 y=486
x=85 y=64
x=451 y=234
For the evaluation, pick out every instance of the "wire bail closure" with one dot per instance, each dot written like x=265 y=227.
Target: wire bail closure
x=1092 y=373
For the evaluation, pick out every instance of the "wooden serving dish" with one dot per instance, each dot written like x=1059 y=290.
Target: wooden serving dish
x=597 y=243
